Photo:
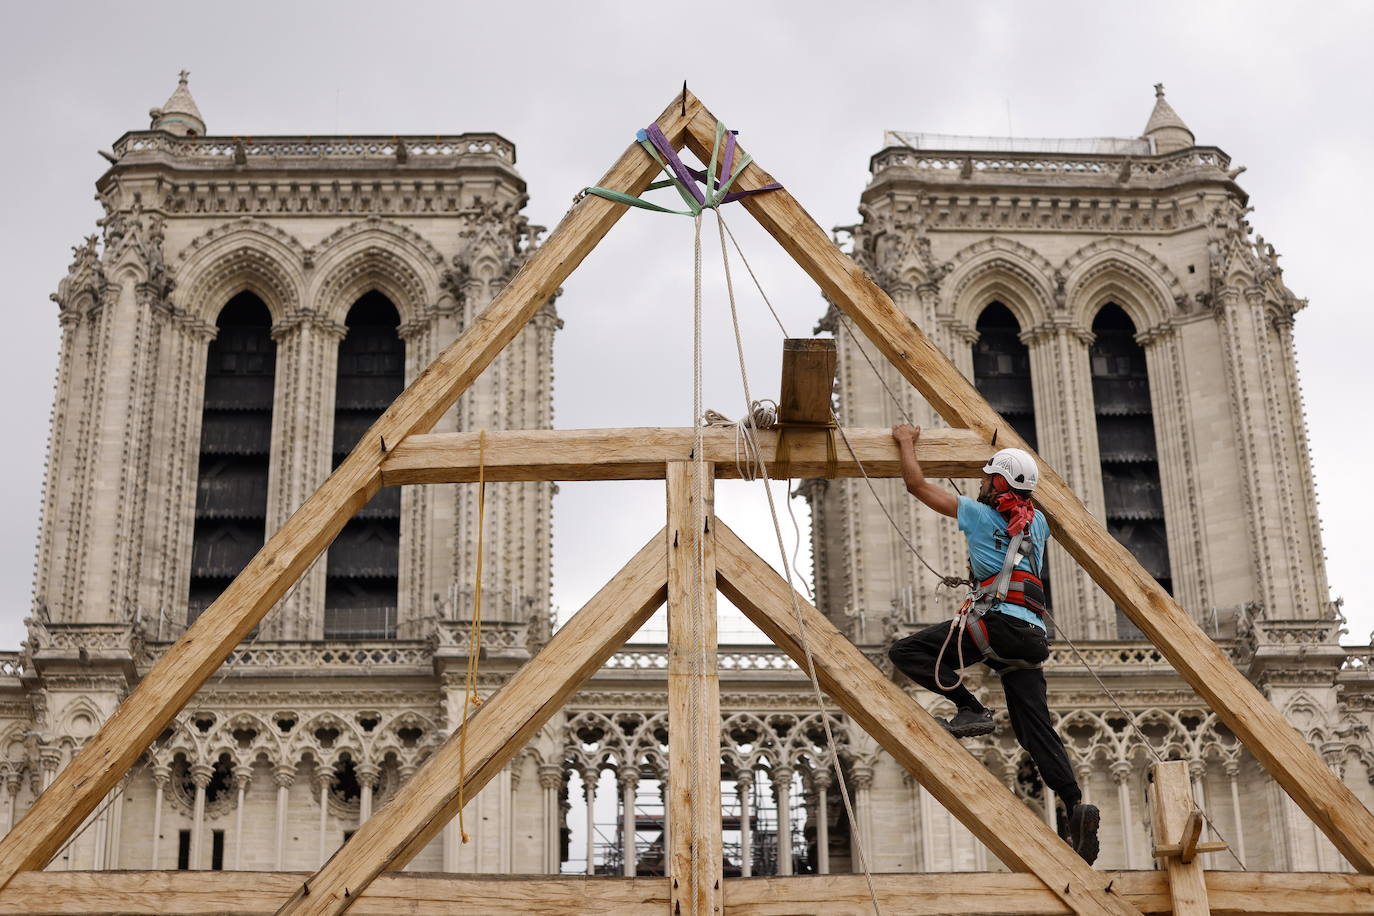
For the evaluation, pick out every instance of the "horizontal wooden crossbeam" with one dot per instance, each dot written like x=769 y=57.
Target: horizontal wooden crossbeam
x=642 y=454
x=202 y=893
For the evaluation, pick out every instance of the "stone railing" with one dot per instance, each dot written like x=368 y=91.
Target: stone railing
x=955 y=166
x=78 y=636
x=1359 y=659
x=429 y=149
x=11 y=664
x=299 y=656
x=496 y=634
x=728 y=658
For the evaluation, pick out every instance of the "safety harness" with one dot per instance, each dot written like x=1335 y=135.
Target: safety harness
x=1012 y=585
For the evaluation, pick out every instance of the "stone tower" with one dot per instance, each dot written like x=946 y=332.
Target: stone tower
x=1109 y=298
x=248 y=308
x=345 y=264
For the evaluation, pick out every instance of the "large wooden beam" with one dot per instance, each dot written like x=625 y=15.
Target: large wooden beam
x=496 y=732
x=285 y=557
x=695 y=858
x=1173 y=813
x=1316 y=789
x=906 y=731
x=642 y=454
x=216 y=893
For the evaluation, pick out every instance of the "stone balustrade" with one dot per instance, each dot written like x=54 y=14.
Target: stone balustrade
x=430 y=150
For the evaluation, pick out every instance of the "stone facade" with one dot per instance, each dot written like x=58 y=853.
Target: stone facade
x=1054 y=233
x=303 y=733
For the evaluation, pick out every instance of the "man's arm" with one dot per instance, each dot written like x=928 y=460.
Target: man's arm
x=942 y=501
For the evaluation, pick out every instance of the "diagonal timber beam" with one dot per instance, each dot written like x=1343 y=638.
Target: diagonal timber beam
x=498 y=730
x=906 y=731
x=285 y=557
x=1295 y=765
x=642 y=454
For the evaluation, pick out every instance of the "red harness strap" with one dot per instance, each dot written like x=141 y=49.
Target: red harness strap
x=1025 y=589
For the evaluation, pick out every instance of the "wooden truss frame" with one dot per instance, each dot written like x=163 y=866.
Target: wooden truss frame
x=1047 y=876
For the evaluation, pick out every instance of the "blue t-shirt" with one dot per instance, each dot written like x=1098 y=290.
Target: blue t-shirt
x=986 y=532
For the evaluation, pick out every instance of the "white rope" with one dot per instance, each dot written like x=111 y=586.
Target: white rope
x=856 y=831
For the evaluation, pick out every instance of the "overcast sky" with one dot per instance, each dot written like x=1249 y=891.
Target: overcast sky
x=1284 y=89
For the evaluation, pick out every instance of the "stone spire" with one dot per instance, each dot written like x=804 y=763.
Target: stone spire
x=1166 y=128
x=179 y=115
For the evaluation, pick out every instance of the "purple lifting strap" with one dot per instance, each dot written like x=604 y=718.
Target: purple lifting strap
x=668 y=153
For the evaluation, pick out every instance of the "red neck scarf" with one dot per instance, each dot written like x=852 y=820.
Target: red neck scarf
x=1018 y=510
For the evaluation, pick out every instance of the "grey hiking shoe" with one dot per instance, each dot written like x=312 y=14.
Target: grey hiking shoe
x=969 y=724
x=1082 y=831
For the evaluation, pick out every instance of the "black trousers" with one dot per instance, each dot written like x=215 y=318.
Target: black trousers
x=1027 y=705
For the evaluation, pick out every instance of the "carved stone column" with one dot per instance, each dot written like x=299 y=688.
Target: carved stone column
x=13 y=781
x=782 y=792
x=201 y=773
x=284 y=775
x=323 y=778
x=162 y=774
x=628 y=777
x=243 y=775
x=861 y=777
x=1184 y=507
x=50 y=760
x=820 y=780
x=550 y=781
x=1242 y=326
x=1237 y=821
x=302 y=446
x=589 y=780
x=744 y=785
x=369 y=775
x=1061 y=376
x=1121 y=773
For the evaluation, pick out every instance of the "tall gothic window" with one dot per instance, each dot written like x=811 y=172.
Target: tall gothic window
x=1002 y=375
x=361 y=588
x=235 y=444
x=1126 y=442
x=1001 y=369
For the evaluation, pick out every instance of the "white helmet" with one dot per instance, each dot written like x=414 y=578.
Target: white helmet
x=1016 y=466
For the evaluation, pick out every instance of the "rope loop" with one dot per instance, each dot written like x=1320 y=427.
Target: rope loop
x=471 y=701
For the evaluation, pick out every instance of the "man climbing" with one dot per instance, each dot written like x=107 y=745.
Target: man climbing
x=1006 y=537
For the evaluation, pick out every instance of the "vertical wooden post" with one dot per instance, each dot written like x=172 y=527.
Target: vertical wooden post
x=1172 y=809
x=695 y=864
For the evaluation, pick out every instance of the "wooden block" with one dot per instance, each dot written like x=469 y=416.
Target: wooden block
x=497 y=731
x=808 y=378
x=1320 y=793
x=695 y=862
x=1174 y=818
x=643 y=454
x=906 y=731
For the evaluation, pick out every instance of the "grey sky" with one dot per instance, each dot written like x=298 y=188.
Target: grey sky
x=1285 y=90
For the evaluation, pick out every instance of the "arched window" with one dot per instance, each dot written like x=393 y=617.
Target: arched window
x=1002 y=375
x=361 y=586
x=1001 y=369
x=1126 y=443
x=235 y=445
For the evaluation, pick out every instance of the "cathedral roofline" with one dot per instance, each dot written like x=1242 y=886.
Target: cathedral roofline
x=967 y=168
